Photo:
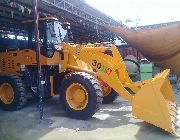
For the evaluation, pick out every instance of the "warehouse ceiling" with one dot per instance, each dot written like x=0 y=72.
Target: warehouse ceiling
x=86 y=22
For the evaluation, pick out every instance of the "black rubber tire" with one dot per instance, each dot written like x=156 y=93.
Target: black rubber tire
x=94 y=95
x=20 y=98
x=111 y=97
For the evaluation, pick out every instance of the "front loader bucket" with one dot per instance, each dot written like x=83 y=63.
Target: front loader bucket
x=155 y=103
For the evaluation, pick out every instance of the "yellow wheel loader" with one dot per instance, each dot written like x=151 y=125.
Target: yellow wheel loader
x=84 y=76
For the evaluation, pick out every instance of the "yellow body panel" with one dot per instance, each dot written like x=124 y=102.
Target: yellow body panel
x=11 y=61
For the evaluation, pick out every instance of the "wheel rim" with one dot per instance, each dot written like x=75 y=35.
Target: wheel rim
x=77 y=96
x=6 y=93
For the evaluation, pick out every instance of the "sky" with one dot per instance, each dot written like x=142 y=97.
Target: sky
x=147 y=11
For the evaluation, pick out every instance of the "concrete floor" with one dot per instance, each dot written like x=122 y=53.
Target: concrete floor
x=113 y=121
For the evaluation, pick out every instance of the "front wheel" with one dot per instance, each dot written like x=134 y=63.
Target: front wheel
x=81 y=95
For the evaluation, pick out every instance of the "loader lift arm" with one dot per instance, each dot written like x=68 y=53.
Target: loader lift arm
x=153 y=100
x=110 y=69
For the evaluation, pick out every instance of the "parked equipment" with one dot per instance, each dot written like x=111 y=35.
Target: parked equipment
x=84 y=76
x=132 y=65
x=146 y=69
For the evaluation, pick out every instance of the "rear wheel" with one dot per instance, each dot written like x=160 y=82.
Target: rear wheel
x=81 y=95
x=12 y=93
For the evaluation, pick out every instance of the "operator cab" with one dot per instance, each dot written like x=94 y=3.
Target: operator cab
x=52 y=34
x=56 y=34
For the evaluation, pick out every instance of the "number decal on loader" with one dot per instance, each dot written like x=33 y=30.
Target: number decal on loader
x=101 y=67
